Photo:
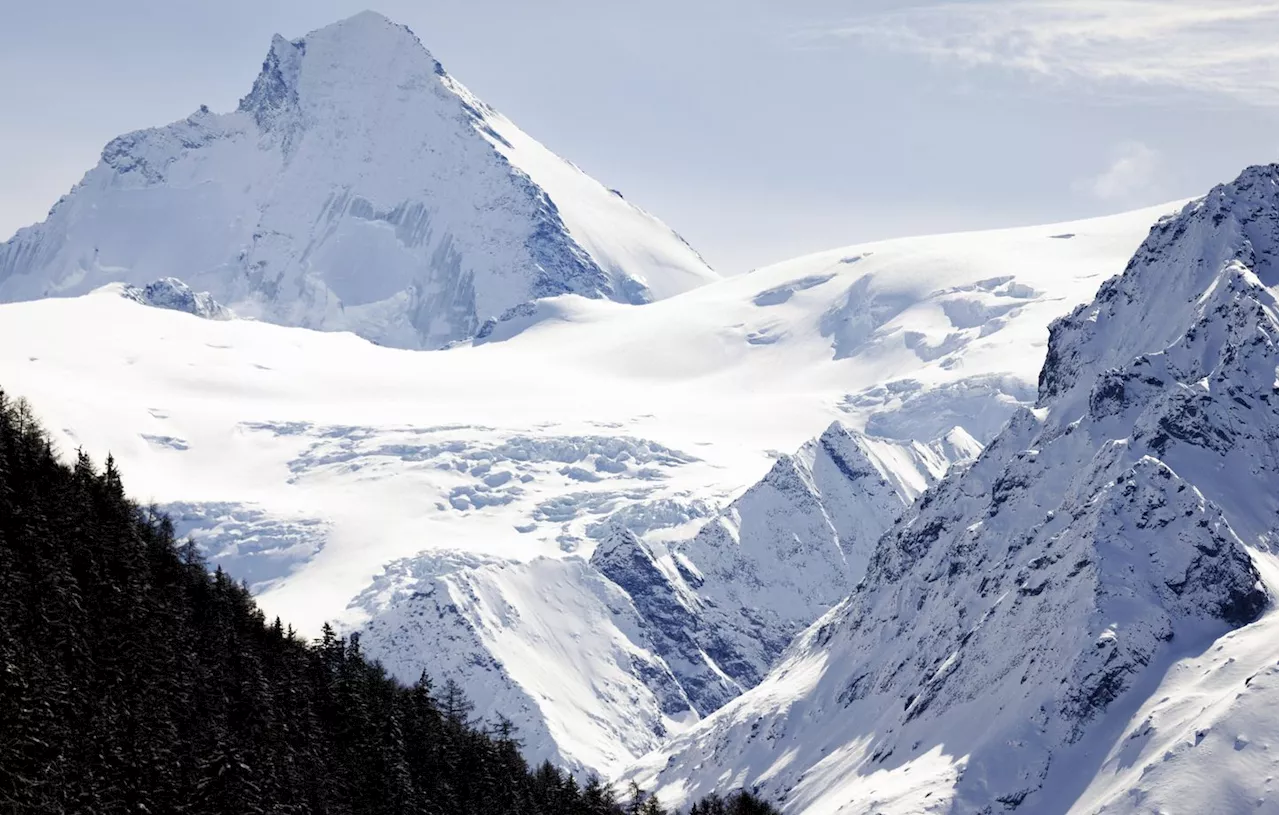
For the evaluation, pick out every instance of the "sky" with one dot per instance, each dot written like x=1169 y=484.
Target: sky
x=758 y=129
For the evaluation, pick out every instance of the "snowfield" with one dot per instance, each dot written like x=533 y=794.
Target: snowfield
x=366 y=485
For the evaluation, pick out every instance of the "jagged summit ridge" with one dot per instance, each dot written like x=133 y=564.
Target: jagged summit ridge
x=362 y=188
x=366 y=53
x=1171 y=270
x=173 y=294
x=721 y=607
x=276 y=88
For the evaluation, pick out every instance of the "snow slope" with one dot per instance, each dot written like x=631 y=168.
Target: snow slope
x=381 y=488
x=721 y=606
x=358 y=187
x=1051 y=628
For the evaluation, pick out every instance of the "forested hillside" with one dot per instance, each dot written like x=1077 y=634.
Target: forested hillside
x=134 y=680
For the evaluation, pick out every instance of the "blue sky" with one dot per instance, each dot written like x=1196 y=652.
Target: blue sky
x=759 y=130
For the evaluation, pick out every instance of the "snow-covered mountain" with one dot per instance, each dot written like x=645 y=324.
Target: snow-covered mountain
x=382 y=488
x=719 y=608
x=357 y=187
x=599 y=661
x=1084 y=619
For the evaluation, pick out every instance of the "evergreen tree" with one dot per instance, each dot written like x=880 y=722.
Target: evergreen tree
x=133 y=680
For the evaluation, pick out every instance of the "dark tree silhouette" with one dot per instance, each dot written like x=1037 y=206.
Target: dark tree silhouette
x=132 y=680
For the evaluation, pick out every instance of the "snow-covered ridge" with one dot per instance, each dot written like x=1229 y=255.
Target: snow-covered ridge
x=786 y=550
x=172 y=293
x=357 y=187
x=1170 y=274
x=1023 y=637
x=721 y=606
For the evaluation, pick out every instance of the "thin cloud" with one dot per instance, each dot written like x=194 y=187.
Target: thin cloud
x=1223 y=48
x=1131 y=172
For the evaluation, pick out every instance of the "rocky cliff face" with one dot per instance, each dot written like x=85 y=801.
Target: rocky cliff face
x=1011 y=621
x=357 y=187
x=172 y=293
x=730 y=600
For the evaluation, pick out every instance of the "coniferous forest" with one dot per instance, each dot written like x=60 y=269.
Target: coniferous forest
x=133 y=680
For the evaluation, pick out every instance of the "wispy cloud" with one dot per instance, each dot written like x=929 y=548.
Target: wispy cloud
x=1220 y=47
x=1132 y=169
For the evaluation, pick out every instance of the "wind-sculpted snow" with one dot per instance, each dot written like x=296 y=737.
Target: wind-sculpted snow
x=166 y=442
x=497 y=471
x=975 y=310
x=357 y=187
x=1027 y=608
x=900 y=408
x=309 y=462
x=172 y=293
x=608 y=455
x=649 y=516
x=244 y=540
x=780 y=294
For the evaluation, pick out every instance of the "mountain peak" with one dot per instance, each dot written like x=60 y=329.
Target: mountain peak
x=365 y=190
x=367 y=55
x=1165 y=283
x=276 y=88
x=366 y=20
x=368 y=31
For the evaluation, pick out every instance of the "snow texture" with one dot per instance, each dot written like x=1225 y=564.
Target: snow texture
x=172 y=293
x=1084 y=618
